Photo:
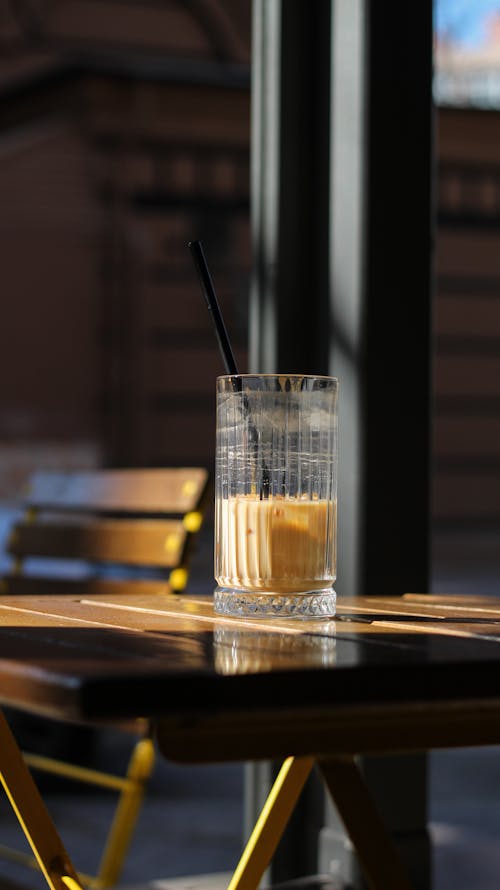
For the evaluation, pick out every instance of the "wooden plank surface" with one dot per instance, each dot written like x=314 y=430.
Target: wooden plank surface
x=121 y=656
x=36 y=585
x=146 y=542
x=172 y=490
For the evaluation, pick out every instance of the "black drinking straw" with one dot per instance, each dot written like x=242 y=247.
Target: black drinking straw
x=224 y=344
x=213 y=306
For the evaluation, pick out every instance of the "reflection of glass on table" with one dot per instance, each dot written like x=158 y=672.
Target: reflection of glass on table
x=242 y=652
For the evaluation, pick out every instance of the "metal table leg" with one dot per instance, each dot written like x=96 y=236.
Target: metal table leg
x=376 y=851
x=33 y=816
x=271 y=823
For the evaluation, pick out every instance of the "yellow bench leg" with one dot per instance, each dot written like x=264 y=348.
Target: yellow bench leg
x=33 y=816
x=376 y=851
x=138 y=772
x=271 y=823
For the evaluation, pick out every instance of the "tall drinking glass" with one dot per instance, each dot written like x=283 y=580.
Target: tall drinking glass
x=276 y=495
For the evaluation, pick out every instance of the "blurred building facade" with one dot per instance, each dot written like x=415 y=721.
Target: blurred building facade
x=124 y=134
x=466 y=419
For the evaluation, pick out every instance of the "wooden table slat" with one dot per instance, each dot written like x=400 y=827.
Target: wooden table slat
x=153 y=655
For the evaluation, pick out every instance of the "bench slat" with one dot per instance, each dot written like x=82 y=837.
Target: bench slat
x=129 y=542
x=36 y=585
x=171 y=491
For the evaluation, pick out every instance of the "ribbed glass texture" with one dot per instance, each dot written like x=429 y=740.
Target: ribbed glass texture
x=276 y=493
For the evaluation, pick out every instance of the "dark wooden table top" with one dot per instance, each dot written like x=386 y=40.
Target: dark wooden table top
x=113 y=656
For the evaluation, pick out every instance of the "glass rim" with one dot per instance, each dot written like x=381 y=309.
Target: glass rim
x=277 y=375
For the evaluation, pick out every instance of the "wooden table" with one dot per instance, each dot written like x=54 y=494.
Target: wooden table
x=388 y=675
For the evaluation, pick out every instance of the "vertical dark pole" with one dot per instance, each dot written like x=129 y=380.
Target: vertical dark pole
x=290 y=185
x=381 y=261
x=398 y=294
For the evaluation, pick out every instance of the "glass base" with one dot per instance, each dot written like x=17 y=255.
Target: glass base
x=254 y=604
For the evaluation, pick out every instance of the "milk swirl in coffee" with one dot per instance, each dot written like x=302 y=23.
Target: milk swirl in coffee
x=277 y=544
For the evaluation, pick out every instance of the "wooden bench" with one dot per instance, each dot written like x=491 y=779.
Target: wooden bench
x=106 y=531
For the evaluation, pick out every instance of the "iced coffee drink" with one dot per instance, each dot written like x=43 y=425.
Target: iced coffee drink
x=276 y=545
x=275 y=495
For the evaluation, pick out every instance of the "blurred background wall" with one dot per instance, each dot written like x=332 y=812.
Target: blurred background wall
x=124 y=132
